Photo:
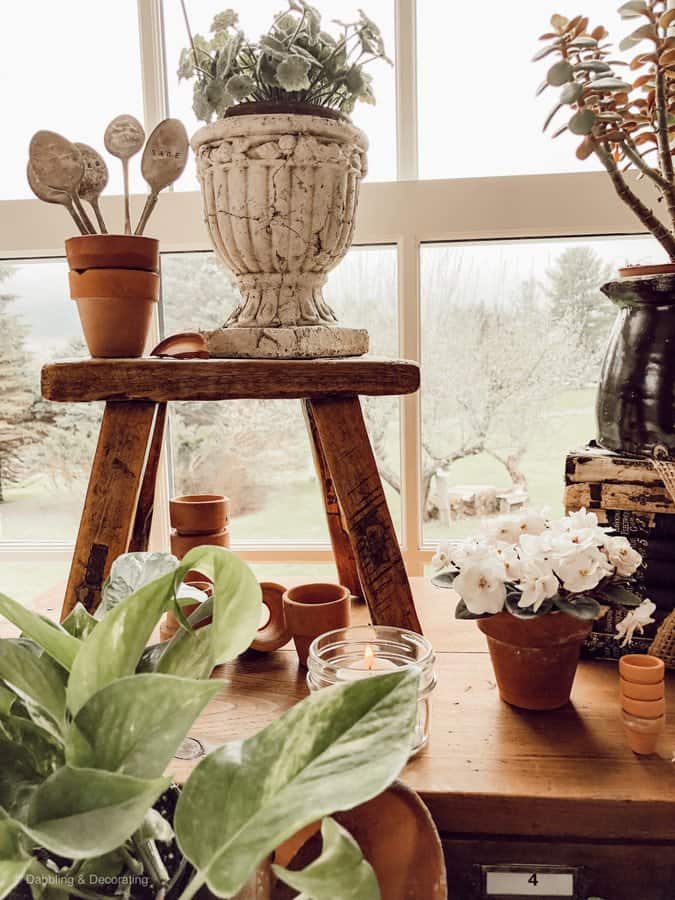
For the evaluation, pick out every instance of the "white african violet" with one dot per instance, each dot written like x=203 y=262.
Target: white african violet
x=280 y=194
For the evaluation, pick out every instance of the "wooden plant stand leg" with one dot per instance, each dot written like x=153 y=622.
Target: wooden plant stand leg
x=342 y=549
x=140 y=534
x=112 y=495
x=345 y=445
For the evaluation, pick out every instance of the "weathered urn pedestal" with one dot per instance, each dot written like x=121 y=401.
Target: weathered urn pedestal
x=280 y=193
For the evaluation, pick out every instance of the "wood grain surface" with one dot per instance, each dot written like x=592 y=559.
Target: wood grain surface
x=225 y=379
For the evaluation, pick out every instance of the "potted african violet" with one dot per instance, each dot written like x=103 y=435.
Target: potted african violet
x=90 y=719
x=280 y=172
x=535 y=587
x=623 y=113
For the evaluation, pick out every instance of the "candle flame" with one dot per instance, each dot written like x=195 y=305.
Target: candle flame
x=369 y=657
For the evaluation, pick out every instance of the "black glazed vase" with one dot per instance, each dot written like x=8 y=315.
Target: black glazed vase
x=636 y=394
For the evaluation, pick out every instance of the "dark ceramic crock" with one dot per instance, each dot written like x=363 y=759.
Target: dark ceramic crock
x=636 y=393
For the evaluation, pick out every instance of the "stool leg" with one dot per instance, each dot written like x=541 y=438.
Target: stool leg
x=140 y=534
x=111 y=500
x=351 y=464
x=342 y=549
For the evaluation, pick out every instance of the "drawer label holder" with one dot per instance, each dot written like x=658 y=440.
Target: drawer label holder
x=503 y=882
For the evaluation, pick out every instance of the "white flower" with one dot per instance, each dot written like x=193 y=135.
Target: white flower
x=583 y=570
x=441 y=557
x=565 y=543
x=635 y=620
x=537 y=545
x=481 y=586
x=505 y=530
x=621 y=554
x=531 y=522
x=538 y=583
x=581 y=519
x=511 y=560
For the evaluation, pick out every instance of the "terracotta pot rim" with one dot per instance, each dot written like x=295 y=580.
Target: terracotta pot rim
x=110 y=237
x=644 y=709
x=286 y=107
x=641 y=668
x=340 y=598
x=193 y=500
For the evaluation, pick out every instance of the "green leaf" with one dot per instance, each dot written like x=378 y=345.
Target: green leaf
x=18 y=777
x=78 y=813
x=610 y=84
x=583 y=606
x=42 y=751
x=79 y=622
x=236 y=602
x=155 y=828
x=633 y=9
x=7 y=700
x=560 y=73
x=582 y=122
x=35 y=679
x=545 y=51
x=444 y=579
x=644 y=32
x=135 y=724
x=337 y=748
x=292 y=74
x=615 y=592
x=592 y=65
x=340 y=873
x=14 y=860
x=60 y=645
x=463 y=612
x=525 y=612
x=571 y=93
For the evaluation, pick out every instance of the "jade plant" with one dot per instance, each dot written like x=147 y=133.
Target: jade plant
x=295 y=62
x=623 y=110
x=90 y=719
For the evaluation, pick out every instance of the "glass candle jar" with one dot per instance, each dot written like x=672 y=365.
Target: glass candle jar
x=361 y=651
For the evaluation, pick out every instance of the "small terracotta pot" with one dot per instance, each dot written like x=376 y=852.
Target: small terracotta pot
x=170 y=624
x=642 y=668
x=637 y=691
x=113 y=251
x=181 y=543
x=312 y=609
x=275 y=633
x=642 y=735
x=644 y=709
x=115 y=308
x=199 y=513
x=534 y=660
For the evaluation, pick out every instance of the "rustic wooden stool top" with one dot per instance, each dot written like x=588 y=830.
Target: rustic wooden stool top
x=118 y=507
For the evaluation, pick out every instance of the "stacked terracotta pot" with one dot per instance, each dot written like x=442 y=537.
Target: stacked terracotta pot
x=198 y=520
x=643 y=701
x=114 y=279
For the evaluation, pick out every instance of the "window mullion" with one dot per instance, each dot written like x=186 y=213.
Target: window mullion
x=406 y=89
x=153 y=62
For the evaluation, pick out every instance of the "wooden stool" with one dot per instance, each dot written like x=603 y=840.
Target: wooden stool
x=119 y=502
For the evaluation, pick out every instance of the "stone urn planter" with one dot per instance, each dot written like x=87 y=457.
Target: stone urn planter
x=280 y=187
x=534 y=660
x=636 y=395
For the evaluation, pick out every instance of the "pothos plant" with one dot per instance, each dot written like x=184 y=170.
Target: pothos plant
x=295 y=62
x=529 y=566
x=90 y=718
x=627 y=120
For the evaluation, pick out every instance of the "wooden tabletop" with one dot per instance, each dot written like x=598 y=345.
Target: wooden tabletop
x=159 y=380
x=489 y=769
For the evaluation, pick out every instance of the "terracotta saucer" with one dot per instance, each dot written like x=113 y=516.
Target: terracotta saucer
x=185 y=345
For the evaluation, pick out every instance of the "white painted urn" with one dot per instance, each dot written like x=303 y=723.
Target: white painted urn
x=280 y=192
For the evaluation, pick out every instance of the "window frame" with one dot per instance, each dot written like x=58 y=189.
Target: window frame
x=406 y=213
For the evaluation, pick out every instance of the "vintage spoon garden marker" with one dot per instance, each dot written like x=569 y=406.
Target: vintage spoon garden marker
x=94 y=180
x=164 y=160
x=58 y=165
x=49 y=195
x=123 y=138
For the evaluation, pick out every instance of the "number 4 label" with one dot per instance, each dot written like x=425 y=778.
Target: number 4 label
x=528 y=883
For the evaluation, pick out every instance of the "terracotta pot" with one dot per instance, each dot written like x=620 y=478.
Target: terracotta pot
x=113 y=251
x=170 y=623
x=115 y=308
x=181 y=543
x=638 y=691
x=312 y=609
x=270 y=108
x=644 y=709
x=636 y=391
x=642 y=735
x=199 y=513
x=642 y=668
x=275 y=633
x=534 y=660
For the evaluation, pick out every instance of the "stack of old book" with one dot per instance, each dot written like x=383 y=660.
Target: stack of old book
x=628 y=495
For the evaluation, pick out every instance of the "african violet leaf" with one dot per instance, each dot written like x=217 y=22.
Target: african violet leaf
x=35 y=679
x=60 y=645
x=463 y=612
x=79 y=622
x=135 y=724
x=340 y=873
x=444 y=579
x=14 y=860
x=615 y=592
x=582 y=607
x=78 y=813
x=525 y=612
x=337 y=748
x=237 y=600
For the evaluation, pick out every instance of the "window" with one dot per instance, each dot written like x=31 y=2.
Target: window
x=467 y=273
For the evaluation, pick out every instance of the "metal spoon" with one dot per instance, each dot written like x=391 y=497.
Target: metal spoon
x=93 y=181
x=123 y=138
x=164 y=159
x=58 y=165
x=49 y=195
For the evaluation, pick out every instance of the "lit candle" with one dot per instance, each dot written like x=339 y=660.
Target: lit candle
x=362 y=668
